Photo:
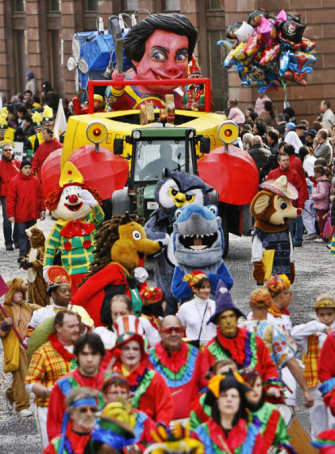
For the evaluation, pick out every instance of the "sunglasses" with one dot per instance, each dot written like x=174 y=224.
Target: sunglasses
x=176 y=329
x=86 y=409
x=7 y=149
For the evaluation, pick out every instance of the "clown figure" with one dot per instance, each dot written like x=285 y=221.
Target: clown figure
x=78 y=212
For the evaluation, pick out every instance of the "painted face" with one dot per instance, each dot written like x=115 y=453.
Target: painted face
x=326 y=316
x=89 y=361
x=17 y=297
x=71 y=206
x=203 y=292
x=255 y=395
x=165 y=57
x=227 y=322
x=119 y=309
x=62 y=295
x=116 y=393
x=131 y=354
x=229 y=402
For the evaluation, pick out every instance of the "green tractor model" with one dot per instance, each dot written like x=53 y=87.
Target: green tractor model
x=153 y=149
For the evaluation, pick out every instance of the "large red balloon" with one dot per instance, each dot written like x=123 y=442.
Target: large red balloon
x=50 y=172
x=102 y=170
x=233 y=175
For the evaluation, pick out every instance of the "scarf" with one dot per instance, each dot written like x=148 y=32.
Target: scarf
x=56 y=345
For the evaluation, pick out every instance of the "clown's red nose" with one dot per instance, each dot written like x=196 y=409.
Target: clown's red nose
x=73 y=198
x=299 y=211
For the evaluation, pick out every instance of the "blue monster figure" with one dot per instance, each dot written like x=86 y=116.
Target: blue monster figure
x=198 y=244
x=175 y=190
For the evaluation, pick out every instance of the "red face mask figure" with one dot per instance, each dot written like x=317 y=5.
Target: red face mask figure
x=165 y=57
x=159 y=47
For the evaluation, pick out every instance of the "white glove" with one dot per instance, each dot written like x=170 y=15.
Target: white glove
x=141 y=274
x=88 y=198
x=165 y=241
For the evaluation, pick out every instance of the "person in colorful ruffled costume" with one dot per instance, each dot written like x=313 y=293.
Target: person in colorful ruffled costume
x=273 y=428
x=281 y=290
x=148 y=389
x=245 y=348
x=78 y=423
x=281 y=347
x=325 y=442
x=89 y=351
x=200 y=412
x=310 y=337
x=77 y=210
x=153 y=305
x=181 y=365
x=229 y=431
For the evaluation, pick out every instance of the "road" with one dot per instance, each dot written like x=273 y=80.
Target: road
x=315 y=275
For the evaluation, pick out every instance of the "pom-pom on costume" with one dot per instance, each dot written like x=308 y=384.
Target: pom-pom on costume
x=121 y=245
x=272 y=250
x=175 y=190
x=198 y=244
x=77 y=208
x=33 y=264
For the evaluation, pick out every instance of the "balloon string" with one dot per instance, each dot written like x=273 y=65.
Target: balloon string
x=285 y=90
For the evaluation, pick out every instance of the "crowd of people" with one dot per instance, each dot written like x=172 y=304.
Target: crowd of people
x=125 y=387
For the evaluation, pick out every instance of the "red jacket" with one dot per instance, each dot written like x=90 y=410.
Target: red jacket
x=296 y=165
x=42 y=153
x=326 y=371
x=82 y=111
x=25 y=199
x=294 y=178
x=8 y=170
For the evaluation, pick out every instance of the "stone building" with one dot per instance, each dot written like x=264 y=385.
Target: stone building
x=37 y=35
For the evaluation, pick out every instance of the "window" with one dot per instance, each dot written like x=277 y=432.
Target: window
x=216 y=4
x=54 y=6
x=219 y=77
x=91 y=5
x=172 y=5
x=20 y=68
x=130 y=5
x=19 y=6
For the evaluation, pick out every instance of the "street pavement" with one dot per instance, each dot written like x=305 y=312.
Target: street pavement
x=315 y=275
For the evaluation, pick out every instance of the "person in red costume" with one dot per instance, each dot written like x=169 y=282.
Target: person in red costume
x=148 y=389
x=49 y=145
x=173 y=358
x=159 y=47
x=79 y=421
x=116 y=389
x=89 y=351
x=245 y=348
x=326 y=372
x=228 y=428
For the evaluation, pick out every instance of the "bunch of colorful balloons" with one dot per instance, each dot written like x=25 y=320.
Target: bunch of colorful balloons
x=268 y=51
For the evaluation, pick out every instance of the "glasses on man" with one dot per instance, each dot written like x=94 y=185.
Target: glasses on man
x=176 y=329
x=7 y=149
x=86 y=409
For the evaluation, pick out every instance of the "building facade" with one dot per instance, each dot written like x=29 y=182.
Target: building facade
x=36 y=35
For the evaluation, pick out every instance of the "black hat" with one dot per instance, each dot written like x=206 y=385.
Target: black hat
x=310 y=132
x=224 y=302
x=221 y=382
x=301 y=126
x=25 y=162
